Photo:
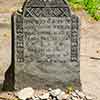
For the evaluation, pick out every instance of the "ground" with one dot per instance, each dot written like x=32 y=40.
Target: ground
x=89 y=47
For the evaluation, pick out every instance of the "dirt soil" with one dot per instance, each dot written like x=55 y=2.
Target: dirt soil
x=89 y=47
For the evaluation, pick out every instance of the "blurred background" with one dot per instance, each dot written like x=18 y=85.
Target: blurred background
x=89 y=13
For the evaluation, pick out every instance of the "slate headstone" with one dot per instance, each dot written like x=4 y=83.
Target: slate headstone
x=45 y=46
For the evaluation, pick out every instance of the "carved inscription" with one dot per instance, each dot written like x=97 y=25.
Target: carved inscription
x=47 y=40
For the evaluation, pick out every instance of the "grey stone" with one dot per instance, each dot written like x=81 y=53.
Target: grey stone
x=80 y=94
x=61 y=96
x=74 y=94
x=74 y=98
x=55 y=92
x=25 y=93
x=45 y=96
x=35 y=98
x=50 y=89
x=89 y=98
x=45 y=46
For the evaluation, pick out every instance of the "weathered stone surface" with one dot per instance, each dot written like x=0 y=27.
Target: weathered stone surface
x=44 y=97
x=55 y=92
x=45 y=48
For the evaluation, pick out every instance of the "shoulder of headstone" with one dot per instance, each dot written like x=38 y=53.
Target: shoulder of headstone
x=75 y=18
x=17 y=13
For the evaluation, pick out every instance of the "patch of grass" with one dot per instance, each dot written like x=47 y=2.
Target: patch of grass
x=70 y=88
x=91 y=6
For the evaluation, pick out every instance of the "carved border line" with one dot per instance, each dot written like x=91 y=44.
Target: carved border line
x=19 y=39
x=47 y=12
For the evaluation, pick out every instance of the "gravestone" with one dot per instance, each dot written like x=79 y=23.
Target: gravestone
x=45 y=46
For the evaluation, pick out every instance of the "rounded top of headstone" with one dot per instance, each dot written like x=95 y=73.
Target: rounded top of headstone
x=31 y=6
x=46 y=3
